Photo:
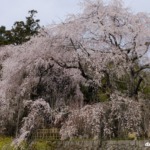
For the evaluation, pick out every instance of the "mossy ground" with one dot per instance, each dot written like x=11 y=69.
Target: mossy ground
x=4 y=141
x=39 y=145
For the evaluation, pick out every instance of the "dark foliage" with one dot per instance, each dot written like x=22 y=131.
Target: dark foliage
x=21 y=31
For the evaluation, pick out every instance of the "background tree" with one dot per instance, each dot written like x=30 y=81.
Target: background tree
x=2 y=32
x=4 y=36
x=21 y=31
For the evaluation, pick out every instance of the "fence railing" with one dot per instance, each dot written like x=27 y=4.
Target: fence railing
x=47 y=134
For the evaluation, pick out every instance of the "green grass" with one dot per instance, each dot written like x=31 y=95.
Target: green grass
x=43 y=145
x=4 y=141
x=37 y=145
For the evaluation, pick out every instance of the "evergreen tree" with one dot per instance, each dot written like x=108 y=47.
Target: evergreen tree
x=21 y=31
x=2 y=35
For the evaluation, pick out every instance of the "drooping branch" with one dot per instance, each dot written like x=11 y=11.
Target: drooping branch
x=147 y=66
x=86 y=76
x=147 y=44
x=138 y=86
x=41 y=73
x=79 y=66
x=113 y=39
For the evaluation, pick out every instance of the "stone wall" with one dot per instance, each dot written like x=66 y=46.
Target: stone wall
x=105 y=145
x=125 y=145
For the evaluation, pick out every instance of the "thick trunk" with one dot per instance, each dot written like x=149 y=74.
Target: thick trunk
x=133 y=85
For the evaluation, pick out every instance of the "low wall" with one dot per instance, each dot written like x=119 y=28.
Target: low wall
x=105 y=145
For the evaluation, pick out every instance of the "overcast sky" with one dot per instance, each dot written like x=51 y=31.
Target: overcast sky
x=51 y=10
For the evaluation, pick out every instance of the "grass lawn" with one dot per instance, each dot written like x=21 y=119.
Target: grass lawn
x=37 y=145
x=4 y=141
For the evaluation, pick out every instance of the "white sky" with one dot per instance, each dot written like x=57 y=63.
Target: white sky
x=51 y=10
